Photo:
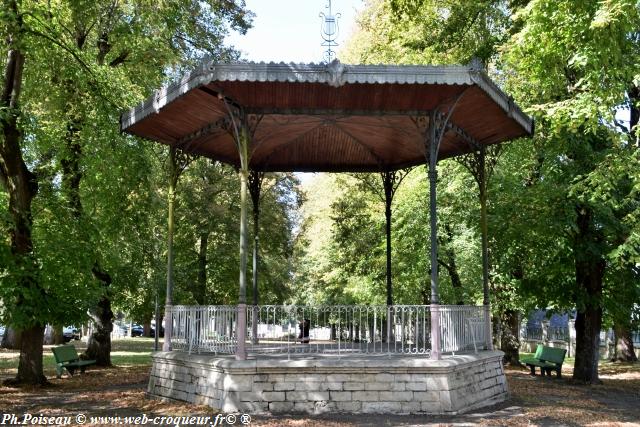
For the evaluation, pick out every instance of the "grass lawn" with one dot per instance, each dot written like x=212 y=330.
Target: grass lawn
x=126 y=352
x=121 y=391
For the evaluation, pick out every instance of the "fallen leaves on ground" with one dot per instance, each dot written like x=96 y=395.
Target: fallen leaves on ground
x=538 y=401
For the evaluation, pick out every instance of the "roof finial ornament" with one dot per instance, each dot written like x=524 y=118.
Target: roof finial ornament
x=477 y=64
x=336 y=72
x=329 y=32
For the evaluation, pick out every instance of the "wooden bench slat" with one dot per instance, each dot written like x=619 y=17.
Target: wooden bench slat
x=547 y=359
x=66 y=357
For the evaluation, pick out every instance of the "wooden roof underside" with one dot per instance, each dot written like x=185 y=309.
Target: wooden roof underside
x=315 y=118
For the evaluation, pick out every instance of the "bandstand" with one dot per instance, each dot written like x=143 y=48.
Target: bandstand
x=330 y=118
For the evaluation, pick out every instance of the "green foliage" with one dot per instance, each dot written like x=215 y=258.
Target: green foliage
x=427 y=32
x=572 y=65
x=340 y=250
x=208 y=204
x=99 y=201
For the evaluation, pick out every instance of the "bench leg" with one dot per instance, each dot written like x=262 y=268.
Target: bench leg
x=82 y=369
x=533 y=370
x=543 y=371
x=71 y=370
x=559 y=372
x=58 y=372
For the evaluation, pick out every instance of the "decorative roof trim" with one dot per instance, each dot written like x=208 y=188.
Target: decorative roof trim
x=335 y=74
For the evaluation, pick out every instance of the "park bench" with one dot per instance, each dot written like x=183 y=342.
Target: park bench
x=547 y=359
x=67 y=357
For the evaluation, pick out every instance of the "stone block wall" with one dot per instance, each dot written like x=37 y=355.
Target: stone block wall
x=354 y=384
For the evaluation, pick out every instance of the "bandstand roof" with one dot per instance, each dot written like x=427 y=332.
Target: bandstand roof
x=328 y=117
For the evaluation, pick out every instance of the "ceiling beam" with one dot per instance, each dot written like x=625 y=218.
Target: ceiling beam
x=221 y=124
x=333 y=112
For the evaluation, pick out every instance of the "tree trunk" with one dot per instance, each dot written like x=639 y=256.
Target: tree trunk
x=200 y=293
x=30 y=364
x=590 y=267
x=450 y=264
x=70 y=164
x=48 y=335
x=256 y=260
x=22 y=186
x=509 y=338
x=255 y=188
x=84 y=330
x=496 y=324
x=54 y=335
x=624 y=351
x=11 y=339
x=99 y=344
x=57 y=335
x=146 y=328
x=634 y=114
x=588 y=323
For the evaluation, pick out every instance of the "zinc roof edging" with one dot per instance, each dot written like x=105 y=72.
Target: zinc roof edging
x=503 y=100
x=334 y=74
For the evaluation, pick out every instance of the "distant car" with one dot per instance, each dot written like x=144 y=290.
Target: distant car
x=70 y=333
x=137 y=331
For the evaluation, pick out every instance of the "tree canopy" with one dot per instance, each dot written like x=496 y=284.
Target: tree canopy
x=564 y=206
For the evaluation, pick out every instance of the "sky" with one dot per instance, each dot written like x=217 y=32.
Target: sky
x=289 y=30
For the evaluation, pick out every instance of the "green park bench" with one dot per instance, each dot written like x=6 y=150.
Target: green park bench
x=547 y=359
x=67 y=357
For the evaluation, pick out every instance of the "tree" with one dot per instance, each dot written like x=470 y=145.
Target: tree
x=574 y=101
x=207 y=205
x=390 y=181
x=551 y=56
x=94 y=58
x=341 y=245
x=21 y=185
x=428 y=31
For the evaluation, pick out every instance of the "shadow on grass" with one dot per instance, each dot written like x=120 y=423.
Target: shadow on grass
x=125 y=352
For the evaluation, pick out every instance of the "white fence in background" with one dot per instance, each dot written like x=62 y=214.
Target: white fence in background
x=334 y=329
x=565 y=337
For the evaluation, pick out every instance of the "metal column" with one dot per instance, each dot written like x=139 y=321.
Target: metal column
x=482 y=182
x=241 y=329
x=433 y=143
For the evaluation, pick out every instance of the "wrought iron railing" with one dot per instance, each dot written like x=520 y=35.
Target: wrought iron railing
x=321 y=329
x=205 y=328
x=341 y=329
x=462 y=327
x=336 y=329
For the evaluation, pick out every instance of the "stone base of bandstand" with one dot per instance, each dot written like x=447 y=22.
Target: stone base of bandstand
x=396 y=384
